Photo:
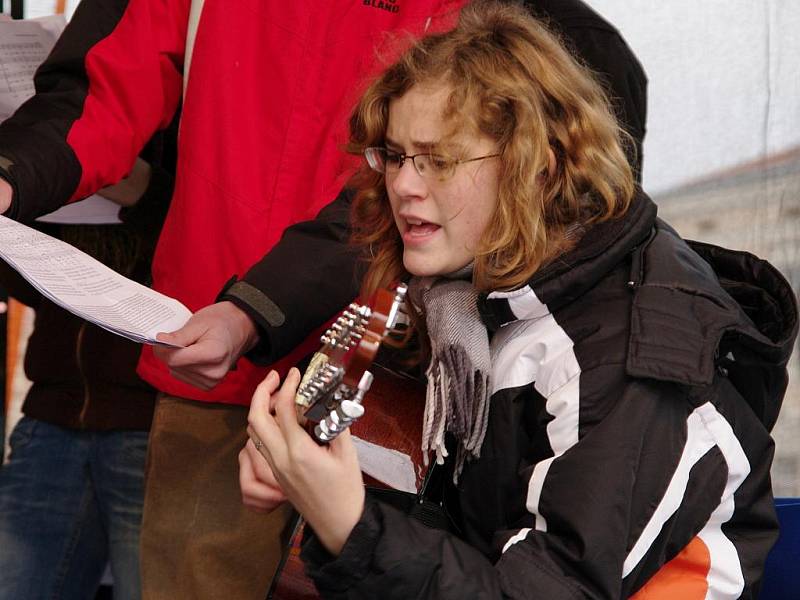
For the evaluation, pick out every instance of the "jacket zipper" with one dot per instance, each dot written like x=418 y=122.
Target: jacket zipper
x=78 y=348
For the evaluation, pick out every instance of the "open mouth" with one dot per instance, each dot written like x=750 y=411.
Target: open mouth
x=418 y=228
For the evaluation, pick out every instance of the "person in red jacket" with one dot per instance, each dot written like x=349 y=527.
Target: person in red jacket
x=600 y=392
x=265 y=88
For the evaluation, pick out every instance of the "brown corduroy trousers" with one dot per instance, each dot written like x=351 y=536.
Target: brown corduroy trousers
x=198 y=540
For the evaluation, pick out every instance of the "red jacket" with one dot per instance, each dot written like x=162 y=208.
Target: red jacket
x=268 y=92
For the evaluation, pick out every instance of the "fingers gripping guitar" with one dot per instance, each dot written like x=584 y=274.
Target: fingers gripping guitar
x=315 y=477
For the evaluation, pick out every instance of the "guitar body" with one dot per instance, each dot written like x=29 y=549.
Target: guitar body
x=291 y=582
x=393 y=420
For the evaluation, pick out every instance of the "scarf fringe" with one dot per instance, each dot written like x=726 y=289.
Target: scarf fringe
x=459 y=406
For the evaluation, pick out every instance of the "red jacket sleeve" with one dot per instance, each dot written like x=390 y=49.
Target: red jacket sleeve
x=113 y=79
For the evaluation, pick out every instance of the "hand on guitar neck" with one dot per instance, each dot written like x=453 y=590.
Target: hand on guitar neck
x=316 y=468
x=323 y=482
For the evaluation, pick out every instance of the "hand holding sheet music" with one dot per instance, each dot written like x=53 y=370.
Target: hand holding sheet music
x=87 y=288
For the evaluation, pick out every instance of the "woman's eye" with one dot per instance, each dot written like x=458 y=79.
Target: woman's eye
x=392 y=158
x=439 y=163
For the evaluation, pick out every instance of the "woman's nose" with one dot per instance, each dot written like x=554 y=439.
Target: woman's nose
x=407 y=181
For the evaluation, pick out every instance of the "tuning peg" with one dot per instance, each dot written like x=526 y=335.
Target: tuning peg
x=351 y=409
x=363 y=386
x=338 y=420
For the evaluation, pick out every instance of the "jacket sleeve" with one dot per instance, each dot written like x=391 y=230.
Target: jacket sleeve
x=646 y=497
x=306 y=278
x=113 y=78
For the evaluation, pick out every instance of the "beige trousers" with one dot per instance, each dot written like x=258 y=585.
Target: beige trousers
x=198 y=540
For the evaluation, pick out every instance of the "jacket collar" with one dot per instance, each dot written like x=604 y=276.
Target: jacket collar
x=602 y=247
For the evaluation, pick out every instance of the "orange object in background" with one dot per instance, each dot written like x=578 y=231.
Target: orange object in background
x=16 y=311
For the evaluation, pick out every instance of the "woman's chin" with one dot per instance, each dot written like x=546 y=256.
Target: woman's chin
x=427 y=269
x=422 y=268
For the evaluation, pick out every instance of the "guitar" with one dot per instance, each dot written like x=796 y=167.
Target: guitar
x=330 y=398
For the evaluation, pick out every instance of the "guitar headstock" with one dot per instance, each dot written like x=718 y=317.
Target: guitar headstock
x=338 y=376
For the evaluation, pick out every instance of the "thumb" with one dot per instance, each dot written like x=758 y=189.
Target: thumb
x=343 y=446
x=169 y=341
x=185 y=336
x=168 y=338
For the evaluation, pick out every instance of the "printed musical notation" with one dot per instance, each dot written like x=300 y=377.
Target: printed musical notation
x=23 y=47
x=87 y=288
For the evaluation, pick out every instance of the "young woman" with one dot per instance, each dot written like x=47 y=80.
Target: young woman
x=600 y=392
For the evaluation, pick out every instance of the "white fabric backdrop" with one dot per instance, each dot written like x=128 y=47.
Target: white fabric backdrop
x=724 y=81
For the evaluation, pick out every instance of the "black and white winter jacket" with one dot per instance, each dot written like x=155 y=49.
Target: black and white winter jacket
x=635 y=382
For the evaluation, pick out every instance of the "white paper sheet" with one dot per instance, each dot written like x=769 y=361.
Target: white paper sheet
x=54 y=24
x=23 y=47
x=87 y=288
x=94 y=210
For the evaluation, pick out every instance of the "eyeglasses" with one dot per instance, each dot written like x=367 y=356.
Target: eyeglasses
x=427 y=165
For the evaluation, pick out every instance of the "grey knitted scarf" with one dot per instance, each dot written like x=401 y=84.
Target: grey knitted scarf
x=457 y=399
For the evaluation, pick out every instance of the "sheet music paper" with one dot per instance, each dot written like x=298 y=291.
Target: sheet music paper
x=87 y=288
x=23 y=47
